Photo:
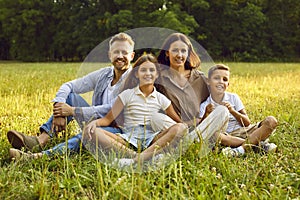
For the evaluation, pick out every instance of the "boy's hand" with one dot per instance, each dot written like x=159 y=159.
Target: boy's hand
x=209 y=108
x=228 y=106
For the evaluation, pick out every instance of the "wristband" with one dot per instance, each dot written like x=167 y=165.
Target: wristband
x=77 y=111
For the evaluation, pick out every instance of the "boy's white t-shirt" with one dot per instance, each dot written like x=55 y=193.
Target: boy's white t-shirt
x=139 y=109
x=234 y=101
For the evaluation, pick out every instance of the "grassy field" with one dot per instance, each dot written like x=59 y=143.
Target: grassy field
x=266 y=89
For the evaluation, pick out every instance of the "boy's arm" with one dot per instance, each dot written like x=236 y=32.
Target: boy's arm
x=208 y=109
x=241 y=115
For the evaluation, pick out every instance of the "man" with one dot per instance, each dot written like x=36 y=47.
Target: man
x=104 y=82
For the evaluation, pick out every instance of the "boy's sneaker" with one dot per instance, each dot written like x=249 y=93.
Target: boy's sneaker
x=231 y=152
x=268 y=147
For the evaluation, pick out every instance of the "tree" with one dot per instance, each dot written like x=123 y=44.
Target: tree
x=232 y=29
x=27 y=25
x=283 y=28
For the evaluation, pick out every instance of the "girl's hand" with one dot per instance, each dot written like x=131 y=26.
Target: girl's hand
x=90 y=129
x=228 y=106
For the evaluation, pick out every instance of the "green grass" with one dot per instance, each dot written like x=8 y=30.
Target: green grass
x=266 y=89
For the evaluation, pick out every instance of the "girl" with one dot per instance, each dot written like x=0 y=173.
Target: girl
x=139 y=102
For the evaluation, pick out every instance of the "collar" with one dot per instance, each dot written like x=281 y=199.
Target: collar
x=137 y=91
x=225 y=98
x=111 y=74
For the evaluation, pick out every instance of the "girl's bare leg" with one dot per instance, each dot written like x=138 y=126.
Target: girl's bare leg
x=173 y=134
x=108 y=141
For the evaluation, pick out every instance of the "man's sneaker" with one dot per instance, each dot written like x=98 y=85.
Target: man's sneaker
x=16 y=154
x=231 y=152
x=268 y=147
x=19 y=140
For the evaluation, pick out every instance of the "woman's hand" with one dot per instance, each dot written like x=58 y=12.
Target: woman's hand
x=62 y=110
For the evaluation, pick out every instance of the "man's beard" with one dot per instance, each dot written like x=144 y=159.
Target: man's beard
x=117 y=65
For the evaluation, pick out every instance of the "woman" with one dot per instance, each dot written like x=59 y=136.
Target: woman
x=186 y=87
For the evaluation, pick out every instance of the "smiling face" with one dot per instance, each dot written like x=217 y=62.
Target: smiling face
x=147 y=73
x=218 y=81
x=178 y=53
x=121 y=54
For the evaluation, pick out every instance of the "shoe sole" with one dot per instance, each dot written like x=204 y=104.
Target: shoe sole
x=16 y=140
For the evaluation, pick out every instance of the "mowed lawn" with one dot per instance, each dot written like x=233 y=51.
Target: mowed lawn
x=26 y=92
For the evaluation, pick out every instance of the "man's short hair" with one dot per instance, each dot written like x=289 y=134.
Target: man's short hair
x=121 y=37
x=216 y=67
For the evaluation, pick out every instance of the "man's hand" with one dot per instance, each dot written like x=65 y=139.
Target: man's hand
x=62 y=110
x=58 y=124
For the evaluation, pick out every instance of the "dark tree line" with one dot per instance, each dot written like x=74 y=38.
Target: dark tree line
x=67 y=30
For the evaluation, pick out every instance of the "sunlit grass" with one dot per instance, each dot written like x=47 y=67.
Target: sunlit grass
x=266 y=89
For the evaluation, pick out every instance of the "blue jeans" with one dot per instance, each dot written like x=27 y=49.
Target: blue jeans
x=74 y=100
x=73 y=144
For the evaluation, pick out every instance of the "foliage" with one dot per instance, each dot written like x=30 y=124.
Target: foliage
x=239 y=30
x=265 y=88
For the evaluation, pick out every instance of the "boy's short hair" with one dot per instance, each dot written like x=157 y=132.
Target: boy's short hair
x=216 y=67
x=121 y=37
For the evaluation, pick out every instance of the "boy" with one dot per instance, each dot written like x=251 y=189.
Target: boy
x=239 y=127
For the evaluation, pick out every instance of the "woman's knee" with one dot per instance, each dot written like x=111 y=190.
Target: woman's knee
x=221 y=112
x=178 y=129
